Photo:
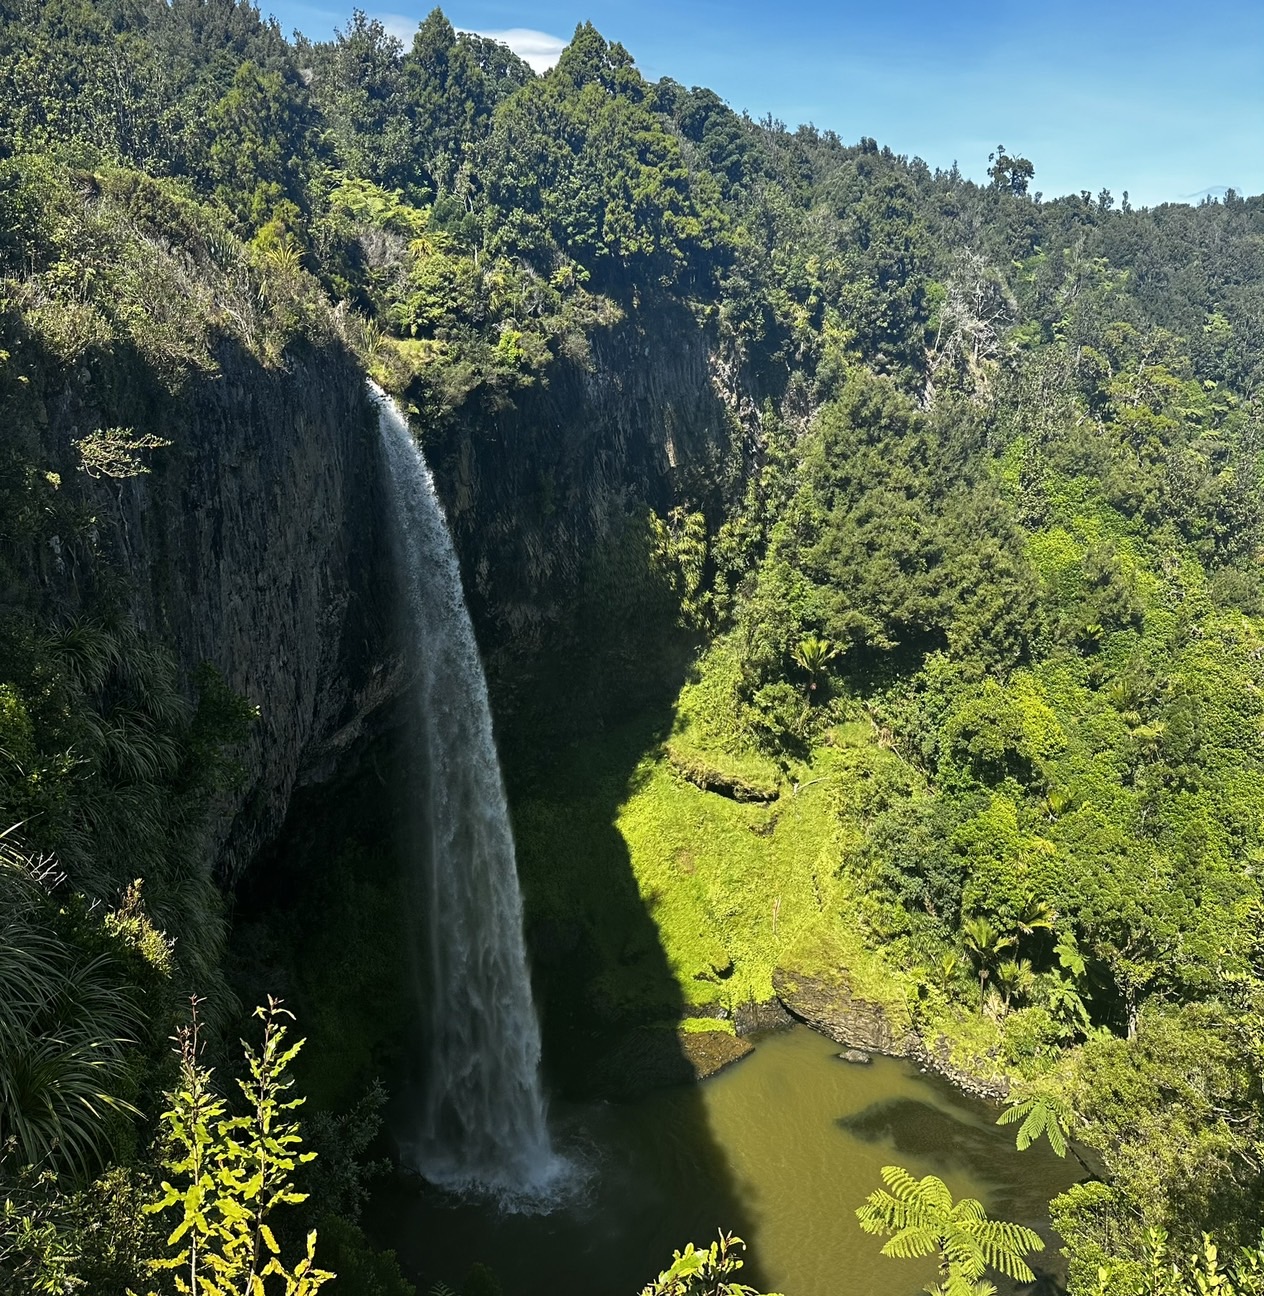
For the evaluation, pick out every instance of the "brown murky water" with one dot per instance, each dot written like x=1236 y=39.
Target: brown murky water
x=781 y=1148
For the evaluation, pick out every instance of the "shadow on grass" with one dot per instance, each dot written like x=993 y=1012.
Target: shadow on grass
x=608 y=1006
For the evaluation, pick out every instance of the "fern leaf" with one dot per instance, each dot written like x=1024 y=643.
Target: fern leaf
x=910 y=1243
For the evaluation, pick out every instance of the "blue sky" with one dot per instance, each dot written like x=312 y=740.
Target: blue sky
x=1163 y=99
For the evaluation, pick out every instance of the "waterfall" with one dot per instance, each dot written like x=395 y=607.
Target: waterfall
x=480 y=1122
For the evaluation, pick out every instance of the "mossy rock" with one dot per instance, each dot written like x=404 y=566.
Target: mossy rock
x=655 y=1057
x=696 y=769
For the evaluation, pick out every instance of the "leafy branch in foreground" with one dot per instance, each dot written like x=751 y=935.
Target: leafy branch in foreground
x=232 y=1171
x=920 y=1218
x=703 y=1272
x=1200 y=1274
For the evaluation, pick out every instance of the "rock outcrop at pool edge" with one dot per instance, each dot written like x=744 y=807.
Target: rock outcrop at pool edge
x=831 y=1008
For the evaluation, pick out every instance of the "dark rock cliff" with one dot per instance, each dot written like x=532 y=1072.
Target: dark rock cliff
x=258 y=544
x=649 y=414
x=830 y=1007
x=259 y=541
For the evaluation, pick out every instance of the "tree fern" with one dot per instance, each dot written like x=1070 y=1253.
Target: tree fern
x=1040 y=1114
x=920 y=1218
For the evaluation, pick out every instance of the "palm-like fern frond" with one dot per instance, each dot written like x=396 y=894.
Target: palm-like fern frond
x=928 y=1192
x=1003 y=1244
x=957 y=1284
x=919 y=1218
x=911 y=1242
x=1040 y=1114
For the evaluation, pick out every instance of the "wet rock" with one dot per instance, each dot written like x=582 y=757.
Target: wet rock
x=855 y=1055
x=832 y=1009
x=708 y=1052
x=758 y=1018
x=864 y=1026
x=654 y=1058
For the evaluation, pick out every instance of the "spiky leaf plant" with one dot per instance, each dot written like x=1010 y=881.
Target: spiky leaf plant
x=126 y=771
x=66 y=1025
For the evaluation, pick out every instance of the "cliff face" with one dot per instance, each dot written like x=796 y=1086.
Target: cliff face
x=258 y=543
x=649 y=415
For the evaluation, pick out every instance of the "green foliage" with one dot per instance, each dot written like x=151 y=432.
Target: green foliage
x=113 y=452
x=115 y=775
x=1040 y=1114
x=481 y=1281
x=1012 y=174
x=994 y=510
x=1175 y=1114
x=581 y=164
x=256 y=133
x=362 y=1269
x=91 y=1239
x=231 y=1172
x=703 y=1271
x=920 y=1218
x=67 y=1019
x=985 y=945
x=1200 y=1273
x=812 y=655
x=340 y=1174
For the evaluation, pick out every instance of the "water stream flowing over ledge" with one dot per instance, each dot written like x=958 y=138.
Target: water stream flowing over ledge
x=479 y=1121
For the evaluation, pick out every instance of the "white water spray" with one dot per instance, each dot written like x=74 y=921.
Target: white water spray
x=481 y=1125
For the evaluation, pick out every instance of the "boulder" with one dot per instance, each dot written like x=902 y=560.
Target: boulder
x=857 y=1056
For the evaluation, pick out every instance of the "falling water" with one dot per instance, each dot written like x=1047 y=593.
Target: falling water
x=481 y=1125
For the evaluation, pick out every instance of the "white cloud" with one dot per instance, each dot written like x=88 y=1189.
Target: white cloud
x=537 y=48
x=403 y=29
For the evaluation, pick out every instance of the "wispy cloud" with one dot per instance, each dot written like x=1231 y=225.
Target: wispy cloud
x=537 y=48
x=403 y=29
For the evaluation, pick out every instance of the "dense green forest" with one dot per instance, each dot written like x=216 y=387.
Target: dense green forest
x=959 y=633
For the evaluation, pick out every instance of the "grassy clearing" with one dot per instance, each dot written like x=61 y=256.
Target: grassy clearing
x=669 y=896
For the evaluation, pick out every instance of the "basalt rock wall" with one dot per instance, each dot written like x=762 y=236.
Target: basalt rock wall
x=259 y=540
x=647 y=413
x=257 y=543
